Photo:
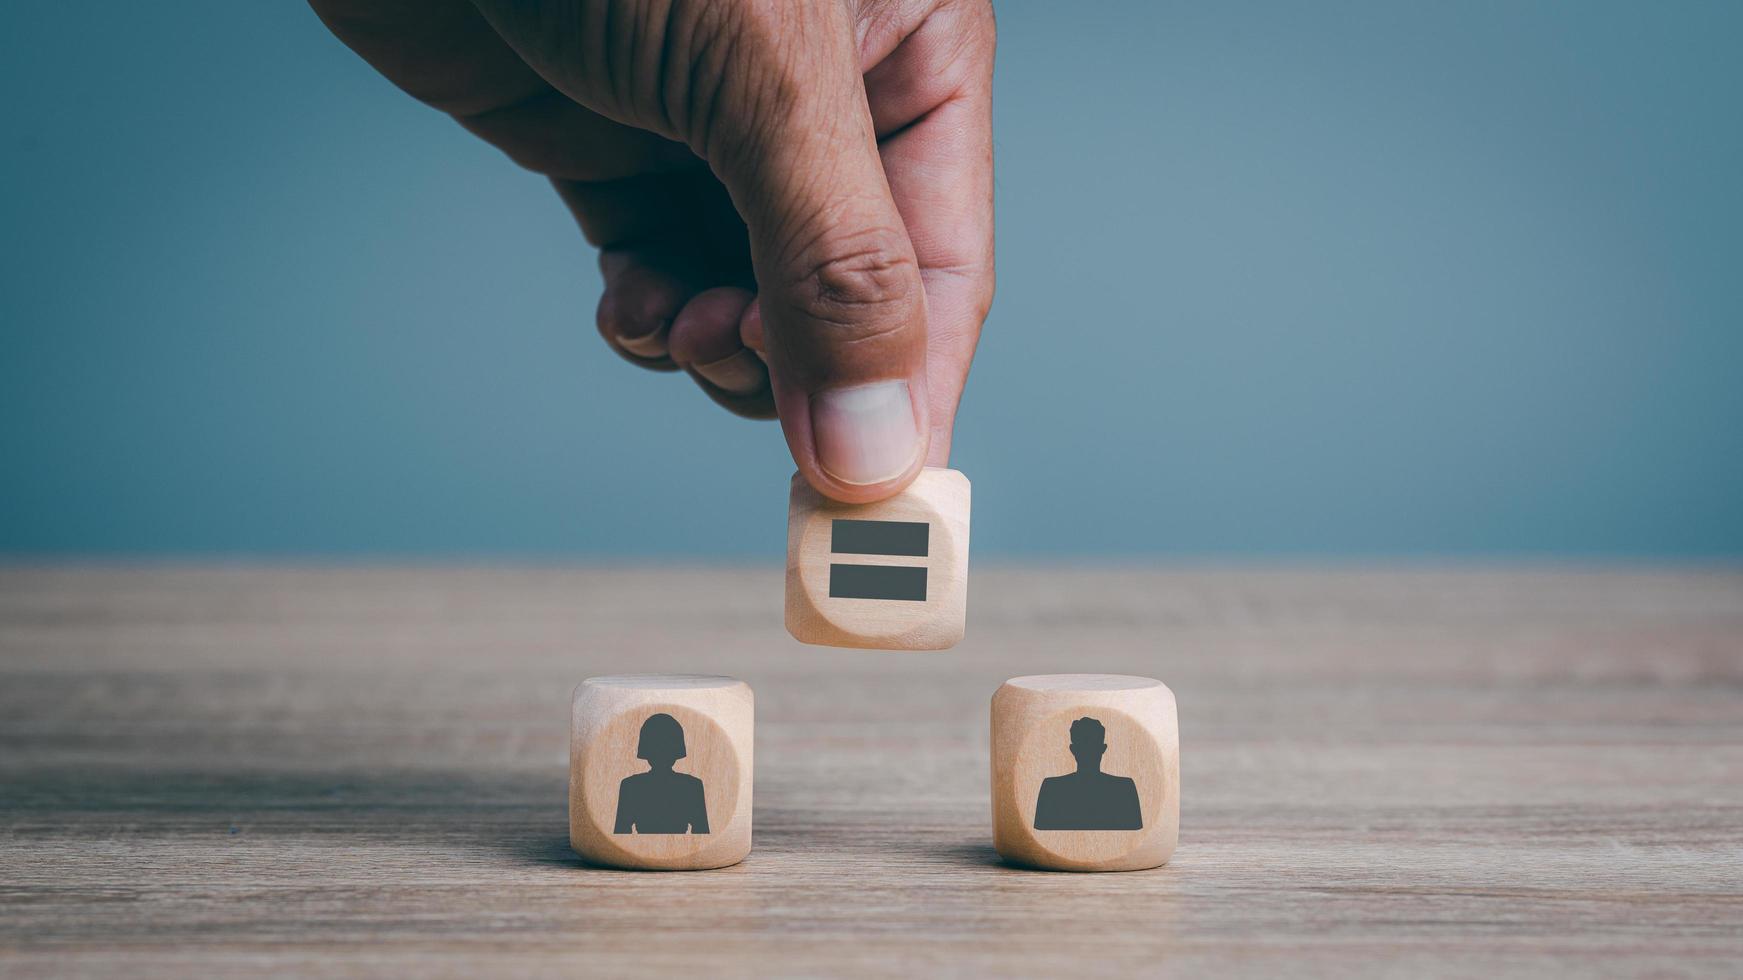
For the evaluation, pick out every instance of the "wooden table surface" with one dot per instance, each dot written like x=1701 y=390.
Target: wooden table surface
x=335 y=771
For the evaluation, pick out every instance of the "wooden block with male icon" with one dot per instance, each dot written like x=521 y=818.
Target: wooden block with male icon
x=1085 y=772
x=891 y=575
x=660 y=771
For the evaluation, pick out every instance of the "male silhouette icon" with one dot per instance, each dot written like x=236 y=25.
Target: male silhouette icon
x=1088 y=799
x=661 y=801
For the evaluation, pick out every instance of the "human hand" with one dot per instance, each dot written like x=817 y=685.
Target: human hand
x=792 y=198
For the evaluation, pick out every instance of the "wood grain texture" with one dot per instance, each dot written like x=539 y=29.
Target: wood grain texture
x=1396 y=772
x=938 y=498
x=1032 y=741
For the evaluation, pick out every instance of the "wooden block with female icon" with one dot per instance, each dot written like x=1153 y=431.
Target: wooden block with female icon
x=891 y=575
x=660 y=771
x=1085 y=772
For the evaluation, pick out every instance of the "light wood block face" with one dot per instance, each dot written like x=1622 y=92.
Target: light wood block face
x=660 y=771
x=888 y=576
x=1086 y=772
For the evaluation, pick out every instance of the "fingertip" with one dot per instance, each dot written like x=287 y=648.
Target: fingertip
x=706 y=329
x=704 y=340
x=750 y=328
x=829 y=486
x=640 y=301
x=857 y=444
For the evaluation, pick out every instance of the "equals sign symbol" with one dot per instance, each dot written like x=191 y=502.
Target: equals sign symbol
x=907 y=539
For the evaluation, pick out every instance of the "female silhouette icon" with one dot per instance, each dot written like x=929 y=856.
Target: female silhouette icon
x=661 y=801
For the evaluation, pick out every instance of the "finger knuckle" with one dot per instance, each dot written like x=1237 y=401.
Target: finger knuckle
x=864 y=282
x=982 y=297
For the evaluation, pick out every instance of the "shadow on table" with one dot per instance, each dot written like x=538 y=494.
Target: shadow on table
x=966 y=854
x=553 y=851
x=517 y=817
x=542 y=851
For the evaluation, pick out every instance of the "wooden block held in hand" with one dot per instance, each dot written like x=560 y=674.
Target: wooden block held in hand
x=1086 y=772
x=660 y=771
x=891 y=575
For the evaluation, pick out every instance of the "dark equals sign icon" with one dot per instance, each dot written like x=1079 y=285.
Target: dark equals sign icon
x=905 y=539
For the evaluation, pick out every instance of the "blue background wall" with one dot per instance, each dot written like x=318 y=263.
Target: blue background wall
x=1277 y=279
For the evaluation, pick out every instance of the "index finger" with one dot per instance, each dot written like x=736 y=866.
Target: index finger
x=932 y=95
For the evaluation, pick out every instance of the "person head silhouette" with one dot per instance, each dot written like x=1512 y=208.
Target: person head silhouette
x=662 y=741
x=1089 y=742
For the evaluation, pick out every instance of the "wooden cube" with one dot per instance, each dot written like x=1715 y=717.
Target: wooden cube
x=660 y=771
x=1086 y=772
x=891 y=575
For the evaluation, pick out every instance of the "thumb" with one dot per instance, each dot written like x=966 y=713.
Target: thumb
x=842 y=305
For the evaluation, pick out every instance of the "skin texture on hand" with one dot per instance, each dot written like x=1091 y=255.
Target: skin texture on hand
x=792 y=199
